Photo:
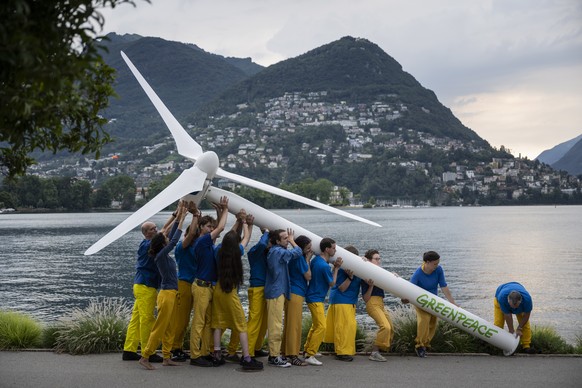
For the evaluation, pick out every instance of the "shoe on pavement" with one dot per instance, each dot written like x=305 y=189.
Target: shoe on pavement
x=344 y=357
x=313 y=361
x=201 y=361
x=155 y=358
x=531 y=350
x=253 y=364
x=279 y=361
x=421 y=352
x=178 y=355
x=130 y=356
x=261 y=353
x=376 y=356
x=296 y=361
x=233 y=358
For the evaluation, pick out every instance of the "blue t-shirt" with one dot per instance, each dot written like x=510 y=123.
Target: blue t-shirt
x=257 y=256
x=146 y=271
x=350 y=295
x=204 y=252
x=504 y=290
x=429 y=282
x=277 y=281
x=186 y=262
x=376 y=291
x=297 y=270
x=166 y=263
x=321 y=277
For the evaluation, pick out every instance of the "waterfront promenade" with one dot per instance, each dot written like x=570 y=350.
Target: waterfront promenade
x=47 y=369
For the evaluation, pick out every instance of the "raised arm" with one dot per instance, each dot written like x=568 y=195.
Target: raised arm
x=222 y=213
x=193 y=232
x=248 y=222
x=336 y=265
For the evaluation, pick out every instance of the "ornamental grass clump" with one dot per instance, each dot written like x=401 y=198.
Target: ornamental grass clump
x=545 y=339
x=19 y=331
x=99 y=328
x=404 y=321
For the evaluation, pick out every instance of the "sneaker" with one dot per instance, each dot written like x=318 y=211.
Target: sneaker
x=155 y=358
x=218 y=361
x=261 y=353
x=201 y=361
x=421 y=352
x=279 y=361
x=233 y=358
x=313 y=361
x=253 y=364
x=130 y=356
x=376 y=356
x=344 y=357
x=178 y=355
x=296 y=361
x=531 y=350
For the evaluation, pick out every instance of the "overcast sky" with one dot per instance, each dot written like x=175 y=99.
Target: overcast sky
x=511 y=70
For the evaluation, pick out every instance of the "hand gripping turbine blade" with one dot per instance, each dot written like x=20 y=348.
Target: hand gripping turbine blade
x=286 y=194
x=189 y=181
x=187 y=146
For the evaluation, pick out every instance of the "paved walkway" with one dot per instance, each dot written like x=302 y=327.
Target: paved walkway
x=47 y=369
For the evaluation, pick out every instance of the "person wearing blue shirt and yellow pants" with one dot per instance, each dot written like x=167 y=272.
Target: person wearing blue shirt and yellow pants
x=513 y=298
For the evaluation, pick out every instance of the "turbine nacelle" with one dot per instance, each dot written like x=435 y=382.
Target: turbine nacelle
x=208 y=163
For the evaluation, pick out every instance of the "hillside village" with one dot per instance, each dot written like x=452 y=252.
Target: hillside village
x=256 y=146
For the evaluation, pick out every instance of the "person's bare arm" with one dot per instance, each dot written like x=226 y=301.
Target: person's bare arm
x=221 y=208
x=346 y=283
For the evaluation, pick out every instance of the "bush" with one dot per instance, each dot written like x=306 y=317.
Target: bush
x=404 y=321
x=50 y=335
x=100 y=328
x=19 y=331
x=578 y=344
x=546 y=339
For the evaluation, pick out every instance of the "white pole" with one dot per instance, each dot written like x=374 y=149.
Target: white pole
x=399 y=287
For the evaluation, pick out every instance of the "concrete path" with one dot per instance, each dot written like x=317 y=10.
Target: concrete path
x=47 y=369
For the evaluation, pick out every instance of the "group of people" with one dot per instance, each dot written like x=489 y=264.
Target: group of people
x=200 y=287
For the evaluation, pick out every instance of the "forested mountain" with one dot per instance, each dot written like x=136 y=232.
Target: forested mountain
x=344 y=114
x=353 y=70
x=183 y=75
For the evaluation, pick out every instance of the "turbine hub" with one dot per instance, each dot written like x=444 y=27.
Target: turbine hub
x=208 y=163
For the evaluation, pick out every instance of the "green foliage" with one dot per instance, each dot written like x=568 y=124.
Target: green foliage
x=18 y=331
x=99 y=328
x=578 y=344
x=54 y=82
x=546 y=339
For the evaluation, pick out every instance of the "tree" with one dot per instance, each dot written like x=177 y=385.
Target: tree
x=53 y=80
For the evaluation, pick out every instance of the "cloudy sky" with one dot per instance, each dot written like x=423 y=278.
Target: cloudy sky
x=511 y=70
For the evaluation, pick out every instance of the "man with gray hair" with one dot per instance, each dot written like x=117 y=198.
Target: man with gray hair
x=512 y=298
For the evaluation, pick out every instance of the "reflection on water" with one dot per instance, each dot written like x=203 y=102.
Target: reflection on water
x=43 y=270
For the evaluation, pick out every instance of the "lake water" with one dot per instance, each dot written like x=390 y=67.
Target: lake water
x=43 y=271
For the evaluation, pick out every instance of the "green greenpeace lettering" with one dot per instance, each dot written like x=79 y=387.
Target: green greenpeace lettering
x=455 y=316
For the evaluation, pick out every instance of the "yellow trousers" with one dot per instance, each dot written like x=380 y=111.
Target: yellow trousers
x=341 y=327
x=317 y=330
x=275 y=324
x=164 y=327
x=426 y=325
x=256 y=323
x=293 y=325
x=142 y=317
x=183 y=312
x=499 y=321
x=200 y=331
x=376 y=310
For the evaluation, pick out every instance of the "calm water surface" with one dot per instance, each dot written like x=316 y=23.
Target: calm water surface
x=43 y=271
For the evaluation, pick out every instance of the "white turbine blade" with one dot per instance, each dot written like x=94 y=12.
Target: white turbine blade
x=187 y=146
x=286 y=194
x=189 y=181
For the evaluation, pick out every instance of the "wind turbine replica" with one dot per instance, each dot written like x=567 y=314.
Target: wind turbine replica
x=195 y=184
